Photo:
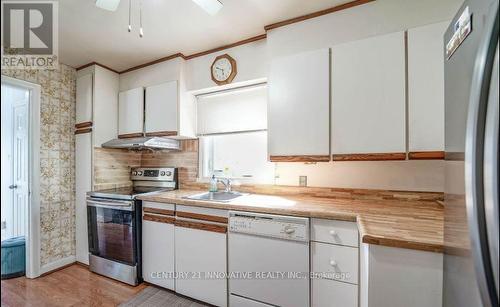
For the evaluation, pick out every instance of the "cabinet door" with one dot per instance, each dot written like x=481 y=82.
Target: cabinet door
x=299 y=107
x=84 y=86
x=331 y=293
x=162 y=109
x=131 y=112
x=197 y=254
x=426 y=88
x=368 y=97
x=83 y=184
x=158 y=251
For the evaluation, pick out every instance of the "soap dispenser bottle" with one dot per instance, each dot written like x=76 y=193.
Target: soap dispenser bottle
x=213 y=184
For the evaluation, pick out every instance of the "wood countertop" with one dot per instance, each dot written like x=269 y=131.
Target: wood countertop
x=397 y=223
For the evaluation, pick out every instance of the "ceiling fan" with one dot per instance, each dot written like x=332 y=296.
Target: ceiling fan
x=209 y=6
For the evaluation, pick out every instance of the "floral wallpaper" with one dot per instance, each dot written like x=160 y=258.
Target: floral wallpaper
x=57 y=159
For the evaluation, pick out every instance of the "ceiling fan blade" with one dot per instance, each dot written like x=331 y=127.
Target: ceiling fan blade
x=109 y=5
x=210 y=6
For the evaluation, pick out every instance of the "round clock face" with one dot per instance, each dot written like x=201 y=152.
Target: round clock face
x=222 y=69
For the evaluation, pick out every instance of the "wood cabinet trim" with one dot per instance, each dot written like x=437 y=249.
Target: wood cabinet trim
x=162 y=133
x=158 y=211
x=131 y=135
x=426 y=155
x=81 y=131
x=369 y=156
x=316 y=14
x=98 y=64
x=305 y=158
x=158 y=218
x=201 y=226
x=83 y=125
x=203 y=217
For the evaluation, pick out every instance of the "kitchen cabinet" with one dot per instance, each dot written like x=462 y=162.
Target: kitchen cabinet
x=334 y=263
x=83 y=184
x=426 y=91
x=200 y=250
x=84 y=99
x=368 y=99
x=158 y=244
x=392 y=276
x=162 y=109
x=299 y=107
x=96 y=123
x=131 y=113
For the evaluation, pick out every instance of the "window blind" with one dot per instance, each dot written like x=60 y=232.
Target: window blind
x=238 y=110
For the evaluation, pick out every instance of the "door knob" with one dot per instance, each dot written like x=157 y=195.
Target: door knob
x=13 y=186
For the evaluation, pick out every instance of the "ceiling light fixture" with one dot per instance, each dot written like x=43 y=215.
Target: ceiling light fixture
x=109 y=5
x=210 y=6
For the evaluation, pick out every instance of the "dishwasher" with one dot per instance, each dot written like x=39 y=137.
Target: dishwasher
x=268 y=260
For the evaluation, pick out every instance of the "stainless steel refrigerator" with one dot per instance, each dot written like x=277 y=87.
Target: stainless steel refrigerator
x=471 y=144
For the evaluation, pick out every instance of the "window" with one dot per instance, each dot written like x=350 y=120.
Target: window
x=232 y=127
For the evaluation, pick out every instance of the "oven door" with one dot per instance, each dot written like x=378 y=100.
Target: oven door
x=112 y=228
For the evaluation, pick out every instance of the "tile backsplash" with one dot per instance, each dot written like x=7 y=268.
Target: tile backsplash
x=112 y=166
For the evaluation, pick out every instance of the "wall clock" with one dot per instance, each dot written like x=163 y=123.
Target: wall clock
x=223 y=69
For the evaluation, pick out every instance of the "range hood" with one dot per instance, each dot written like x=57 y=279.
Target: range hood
x=142 y=143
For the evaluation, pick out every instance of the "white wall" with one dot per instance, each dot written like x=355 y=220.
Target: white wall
x=152 y=75
x=251 y=62
x=374 y=18
x=386 y=175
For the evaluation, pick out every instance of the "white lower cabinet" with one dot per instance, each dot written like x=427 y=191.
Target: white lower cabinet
x=158 y=247
x=335 y=267
x=331 y=293
x=198 y=254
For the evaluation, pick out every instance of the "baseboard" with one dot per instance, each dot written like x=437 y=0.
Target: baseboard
x=57 y=265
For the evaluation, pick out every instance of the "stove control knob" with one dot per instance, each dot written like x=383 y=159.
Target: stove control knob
x=162 y=173
x=139 y=173
x=169 y=173
x=134 y=173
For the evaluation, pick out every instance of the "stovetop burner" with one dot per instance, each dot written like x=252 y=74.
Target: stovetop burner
x=145 y=180
x=127 y=193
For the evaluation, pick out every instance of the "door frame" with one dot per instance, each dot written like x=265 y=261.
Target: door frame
x=33 y=218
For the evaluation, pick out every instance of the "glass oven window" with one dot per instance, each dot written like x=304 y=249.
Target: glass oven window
x=112 y=234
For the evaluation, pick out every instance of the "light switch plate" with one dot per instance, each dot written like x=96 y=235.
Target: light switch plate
x=303 y=181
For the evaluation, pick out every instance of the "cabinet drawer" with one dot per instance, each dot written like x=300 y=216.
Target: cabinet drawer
x=160 y=206
x=336 y=262
x=331 y=293
x=335 y=232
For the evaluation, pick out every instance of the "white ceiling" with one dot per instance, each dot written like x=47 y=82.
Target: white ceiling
x=89 y=34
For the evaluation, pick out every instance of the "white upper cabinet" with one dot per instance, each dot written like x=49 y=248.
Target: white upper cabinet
x=84 y=86
x=426 y=87
x=131 y=112
x=299 y=106
x=368 y=96
x=162 y=109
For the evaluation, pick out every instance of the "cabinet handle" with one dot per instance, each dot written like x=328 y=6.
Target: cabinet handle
x=333 y=262
x=333 y=233
x=289 y=230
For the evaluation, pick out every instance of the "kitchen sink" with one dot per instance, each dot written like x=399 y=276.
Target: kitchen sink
x=216 y=196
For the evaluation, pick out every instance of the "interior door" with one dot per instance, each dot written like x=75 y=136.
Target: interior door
x=20 y=183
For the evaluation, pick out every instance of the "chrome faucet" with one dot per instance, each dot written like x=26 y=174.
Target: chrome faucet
x=227 y=184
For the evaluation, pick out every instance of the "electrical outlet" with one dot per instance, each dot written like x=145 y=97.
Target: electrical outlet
x=303 y=181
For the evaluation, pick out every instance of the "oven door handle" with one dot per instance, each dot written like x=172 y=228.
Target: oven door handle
x=111 y=204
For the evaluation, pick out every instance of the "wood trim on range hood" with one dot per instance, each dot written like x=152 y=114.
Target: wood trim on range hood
x=241 y=42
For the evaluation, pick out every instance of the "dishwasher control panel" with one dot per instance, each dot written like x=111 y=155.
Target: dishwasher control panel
x=267 y=225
